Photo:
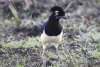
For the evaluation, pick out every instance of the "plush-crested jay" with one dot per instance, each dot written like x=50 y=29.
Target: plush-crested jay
x=52 y=31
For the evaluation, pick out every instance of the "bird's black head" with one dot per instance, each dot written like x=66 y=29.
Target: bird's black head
x=58 y=11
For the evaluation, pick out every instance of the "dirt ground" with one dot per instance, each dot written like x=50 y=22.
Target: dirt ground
x=81 y=38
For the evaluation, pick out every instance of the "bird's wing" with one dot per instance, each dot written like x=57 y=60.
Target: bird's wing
x=43 y=26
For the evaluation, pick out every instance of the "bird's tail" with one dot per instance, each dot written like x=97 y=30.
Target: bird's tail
x=38 y=38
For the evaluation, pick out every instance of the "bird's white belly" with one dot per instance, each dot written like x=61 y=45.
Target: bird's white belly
x=50 y=39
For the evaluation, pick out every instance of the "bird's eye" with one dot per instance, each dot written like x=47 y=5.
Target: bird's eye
x=56 y=13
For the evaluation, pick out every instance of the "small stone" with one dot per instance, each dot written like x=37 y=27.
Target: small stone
x=2 y=51
x=1 y=45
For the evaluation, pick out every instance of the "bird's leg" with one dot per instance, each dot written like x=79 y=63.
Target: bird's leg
x=43 y=50
x=57 y=51
x=44 y=59
x=43 y=53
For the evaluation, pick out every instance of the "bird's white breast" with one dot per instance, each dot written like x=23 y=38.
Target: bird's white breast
x=50 y=39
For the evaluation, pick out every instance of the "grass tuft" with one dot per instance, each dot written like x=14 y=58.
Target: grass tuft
x=15 y=13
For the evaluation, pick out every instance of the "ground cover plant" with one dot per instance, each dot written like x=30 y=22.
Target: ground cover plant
x=80 y=46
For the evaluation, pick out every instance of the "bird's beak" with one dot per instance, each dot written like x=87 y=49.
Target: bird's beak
x=64 y=17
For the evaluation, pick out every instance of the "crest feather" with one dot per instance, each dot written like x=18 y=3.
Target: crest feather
x=57 y=8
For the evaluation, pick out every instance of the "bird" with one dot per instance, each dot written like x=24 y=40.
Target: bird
x=52 y=30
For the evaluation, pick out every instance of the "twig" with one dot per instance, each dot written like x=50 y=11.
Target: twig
x=68 y=5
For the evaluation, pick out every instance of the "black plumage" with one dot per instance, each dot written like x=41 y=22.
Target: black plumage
x=57 y=8
x=53 y=28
